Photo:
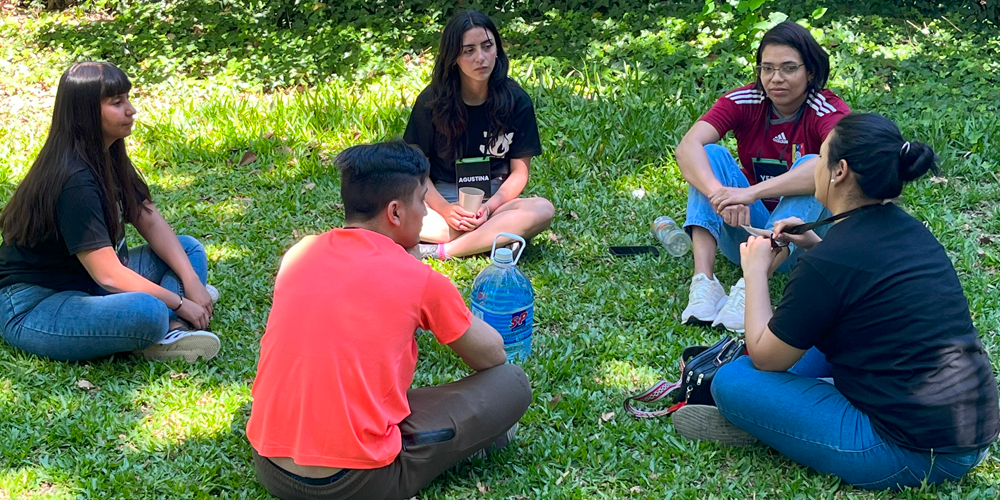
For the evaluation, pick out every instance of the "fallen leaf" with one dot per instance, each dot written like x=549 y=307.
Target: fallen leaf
x=556 y=398
x=85 y=385
x=555 y=238
x=605 y=417
x=255 y=171
x=985 y=239
x=295 y=233
x=938 y=180
x=636 y=489
x=310 y=186
x=176 y=375
x=269 y=135
x=248 y=158
x=572 y=215
x=482 y=489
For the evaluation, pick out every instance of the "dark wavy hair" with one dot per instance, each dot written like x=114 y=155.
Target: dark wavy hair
x=30 y=216
x=878 y=155
x=372 y=175
x=447 y=109
x=816 y=60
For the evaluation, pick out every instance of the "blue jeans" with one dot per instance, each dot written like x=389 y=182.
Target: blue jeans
x=811 y=422
x=72 y=325
x=700 y=212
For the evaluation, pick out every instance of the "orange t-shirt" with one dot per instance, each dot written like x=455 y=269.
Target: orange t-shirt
x=339 y=350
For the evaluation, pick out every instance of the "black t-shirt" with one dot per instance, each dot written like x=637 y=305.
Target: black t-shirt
x=880 y=298
x=519 y=140
x=81 y=227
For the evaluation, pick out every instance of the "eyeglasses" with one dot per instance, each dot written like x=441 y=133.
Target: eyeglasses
x=786 y=69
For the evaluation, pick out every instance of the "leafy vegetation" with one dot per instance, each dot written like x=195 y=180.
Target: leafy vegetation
x=243 y=105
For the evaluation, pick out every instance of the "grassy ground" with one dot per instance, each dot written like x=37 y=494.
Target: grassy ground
x=238 y=155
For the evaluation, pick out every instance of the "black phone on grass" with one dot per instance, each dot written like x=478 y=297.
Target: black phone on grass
x=624 y=251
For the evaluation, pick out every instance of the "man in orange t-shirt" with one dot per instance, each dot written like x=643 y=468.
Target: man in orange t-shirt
x=333 y=416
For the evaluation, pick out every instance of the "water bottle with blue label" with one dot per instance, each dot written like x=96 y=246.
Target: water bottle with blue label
x=503 y=298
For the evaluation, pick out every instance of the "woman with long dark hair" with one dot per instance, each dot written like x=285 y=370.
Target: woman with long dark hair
x=870 y=368
x=477 y=127
x=70 y=288
x=779 y=122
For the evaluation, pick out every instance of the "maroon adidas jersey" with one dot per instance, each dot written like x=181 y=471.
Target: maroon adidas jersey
x=742 y=111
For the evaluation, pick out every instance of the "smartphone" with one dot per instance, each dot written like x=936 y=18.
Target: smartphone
x=622 y=251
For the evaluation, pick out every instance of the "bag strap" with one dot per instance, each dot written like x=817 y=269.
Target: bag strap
x=659 y=391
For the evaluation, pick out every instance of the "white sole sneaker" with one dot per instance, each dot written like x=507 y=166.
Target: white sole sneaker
x=187 y=344
x=706 y=423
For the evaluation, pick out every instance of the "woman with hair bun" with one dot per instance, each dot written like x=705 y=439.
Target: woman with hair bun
x=877 y=307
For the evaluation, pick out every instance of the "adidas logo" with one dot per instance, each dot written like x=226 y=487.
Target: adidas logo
x=780 y=138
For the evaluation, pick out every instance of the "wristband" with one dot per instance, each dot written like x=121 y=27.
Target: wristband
x=181 y=303
x=487 y=207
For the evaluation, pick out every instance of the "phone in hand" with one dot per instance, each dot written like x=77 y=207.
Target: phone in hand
x=623 y=251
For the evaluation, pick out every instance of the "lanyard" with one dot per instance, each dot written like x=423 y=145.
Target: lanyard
x=802 y=228
x=767 y=128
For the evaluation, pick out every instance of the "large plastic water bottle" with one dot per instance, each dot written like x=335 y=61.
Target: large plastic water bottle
x=503 y=298
x=671 y=237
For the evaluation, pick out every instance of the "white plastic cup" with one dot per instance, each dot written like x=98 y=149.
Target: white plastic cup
x=471 y=198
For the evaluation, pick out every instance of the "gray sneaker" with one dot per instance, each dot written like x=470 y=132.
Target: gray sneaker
x=187 y=344
x=500 y=443
x=706 y=423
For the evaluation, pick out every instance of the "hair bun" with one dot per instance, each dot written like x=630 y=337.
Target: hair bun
x=916 y=160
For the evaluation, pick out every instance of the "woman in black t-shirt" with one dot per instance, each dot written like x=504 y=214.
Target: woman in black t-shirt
x=478 y=129
x=877 y=308
x=70 y=288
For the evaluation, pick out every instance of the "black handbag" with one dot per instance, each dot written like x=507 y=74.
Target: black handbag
x=699 y=365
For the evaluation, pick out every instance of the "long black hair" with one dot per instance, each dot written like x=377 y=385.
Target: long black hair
x=878 y=155
x=815 y=59
x=448 y=110
x=30 y=216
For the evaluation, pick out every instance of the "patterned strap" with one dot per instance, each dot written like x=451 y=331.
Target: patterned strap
x=660 y=390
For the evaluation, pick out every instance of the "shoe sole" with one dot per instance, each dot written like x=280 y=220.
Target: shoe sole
x=706 y=423
x=190 y=348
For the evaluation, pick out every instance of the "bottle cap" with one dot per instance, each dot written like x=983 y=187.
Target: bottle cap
x=503 y=256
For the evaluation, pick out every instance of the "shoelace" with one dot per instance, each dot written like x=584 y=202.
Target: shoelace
x=740 y=301
x=700 y=290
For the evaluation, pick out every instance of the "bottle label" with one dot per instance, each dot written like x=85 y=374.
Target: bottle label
x=513 y=326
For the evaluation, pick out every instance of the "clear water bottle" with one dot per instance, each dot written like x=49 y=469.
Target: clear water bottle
x=673 y=238
x=502 y=297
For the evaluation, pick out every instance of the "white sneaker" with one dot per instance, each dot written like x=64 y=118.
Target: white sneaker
x=704 y=300
x=187 y=344
x=213 y=292
x=731 y=315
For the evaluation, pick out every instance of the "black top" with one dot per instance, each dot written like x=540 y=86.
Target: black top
x=53 y=263
x=880 y=298
x=519 y=140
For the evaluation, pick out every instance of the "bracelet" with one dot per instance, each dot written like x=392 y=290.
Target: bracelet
x=179 y=304
x=487 y=207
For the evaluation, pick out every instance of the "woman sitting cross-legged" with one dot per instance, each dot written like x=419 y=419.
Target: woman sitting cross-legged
x=70 y=289
x=876 y=306
x=477 y=127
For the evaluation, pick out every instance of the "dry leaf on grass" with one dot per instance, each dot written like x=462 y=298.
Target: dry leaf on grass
x=248 y=158
x=85 y=385
x=310 y=185
x=605 y=417
x=938 y=180
x=556 y=398
x=482 y=489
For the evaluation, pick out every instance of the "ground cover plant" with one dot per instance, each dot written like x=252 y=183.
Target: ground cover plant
x=242 y=107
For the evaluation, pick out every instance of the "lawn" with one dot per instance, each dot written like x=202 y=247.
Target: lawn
x=242 y=111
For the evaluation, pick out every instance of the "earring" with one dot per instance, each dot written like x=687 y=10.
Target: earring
x=832 y=181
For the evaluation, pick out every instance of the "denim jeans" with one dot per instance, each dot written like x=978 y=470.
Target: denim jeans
x=75 y=325
x=700 y=212
x=811 y=422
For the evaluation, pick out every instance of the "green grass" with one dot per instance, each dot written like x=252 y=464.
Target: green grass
x=611 y=106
